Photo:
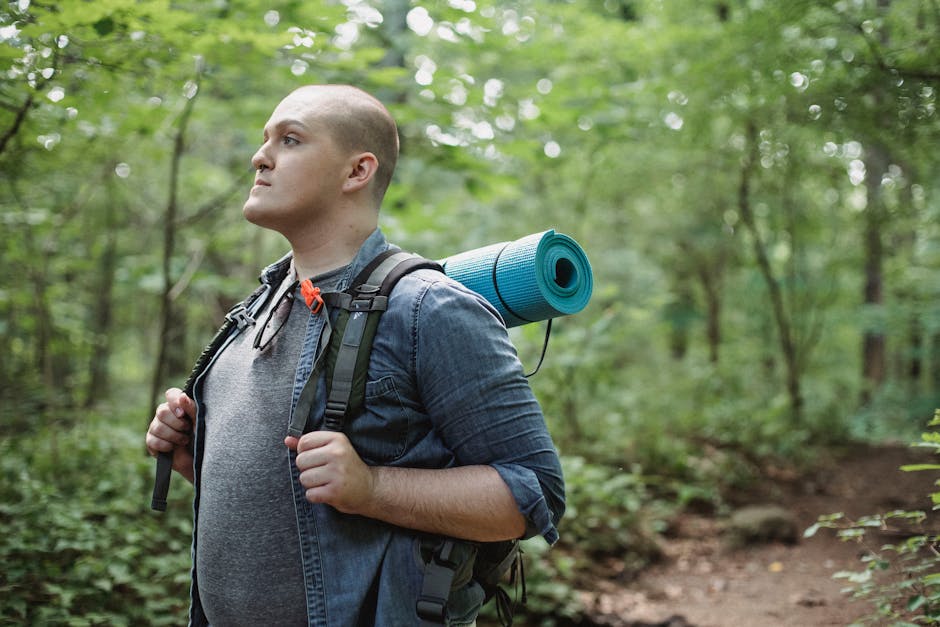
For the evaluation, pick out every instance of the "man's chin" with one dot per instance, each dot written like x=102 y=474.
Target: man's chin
x=253 y=214
x=261 y=218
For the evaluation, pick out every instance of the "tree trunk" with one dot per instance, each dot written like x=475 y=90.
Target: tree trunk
x=102 y=309
x=935 y=363
x=708 y=268
x=915 y=367
x=678 y=314
x=781 y=318
x=169 y=244
x=874 y=356
x=873 y=339
x=712 y=291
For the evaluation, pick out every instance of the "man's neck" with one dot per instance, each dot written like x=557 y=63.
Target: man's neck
x=328 y=249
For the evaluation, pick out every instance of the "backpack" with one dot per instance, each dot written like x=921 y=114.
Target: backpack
x=345 y=360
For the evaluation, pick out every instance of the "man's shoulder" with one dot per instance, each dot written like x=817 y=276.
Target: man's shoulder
x=429 y=293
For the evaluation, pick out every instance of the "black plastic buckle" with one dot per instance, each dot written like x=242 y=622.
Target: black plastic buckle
x=433 y=609
x=368 y=298
x=239 y=315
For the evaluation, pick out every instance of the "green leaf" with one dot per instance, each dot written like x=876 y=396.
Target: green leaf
x=916 y=467
x=104 y=26
x=915 y=602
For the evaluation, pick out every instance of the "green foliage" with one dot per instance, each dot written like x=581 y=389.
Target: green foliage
x=613 y=516
x=77 y=543
x=899 y=579
x=549 y=574
x=623 y=124
x=608 y=513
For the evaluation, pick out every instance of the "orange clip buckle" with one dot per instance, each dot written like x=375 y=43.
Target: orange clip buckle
x=311 y=296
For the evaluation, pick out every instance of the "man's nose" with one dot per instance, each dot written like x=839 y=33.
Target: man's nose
x=261 y=159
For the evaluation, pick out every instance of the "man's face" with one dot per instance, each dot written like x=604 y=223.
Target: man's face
x=300 y=169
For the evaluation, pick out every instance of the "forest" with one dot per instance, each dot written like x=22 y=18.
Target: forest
x=756 y=184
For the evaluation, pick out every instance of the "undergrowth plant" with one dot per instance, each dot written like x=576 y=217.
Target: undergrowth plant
x=900 y=579
x=78 y=543
x=612 y=520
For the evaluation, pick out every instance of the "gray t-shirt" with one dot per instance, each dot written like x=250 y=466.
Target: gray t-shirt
x=248 y=560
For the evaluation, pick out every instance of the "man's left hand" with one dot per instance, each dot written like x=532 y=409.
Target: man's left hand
x=331 y=471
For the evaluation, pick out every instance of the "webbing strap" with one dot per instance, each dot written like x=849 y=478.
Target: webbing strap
x=435 y=589
x=351 y=342
x=344 y=371
x=377 y=279
x=364 y=302
x=301 y=410
x=240 y=316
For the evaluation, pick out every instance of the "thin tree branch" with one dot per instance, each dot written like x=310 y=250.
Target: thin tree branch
x=17 y=122
x=169 y=241
x=213 y=205
x=778 y=307
x=882 y=64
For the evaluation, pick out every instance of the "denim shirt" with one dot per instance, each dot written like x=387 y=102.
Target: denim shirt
x=445 y=388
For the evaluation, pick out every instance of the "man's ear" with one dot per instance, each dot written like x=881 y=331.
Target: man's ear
x=362 y=171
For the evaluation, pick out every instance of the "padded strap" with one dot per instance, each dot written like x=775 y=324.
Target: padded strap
x=344 y=369
x=363 y=303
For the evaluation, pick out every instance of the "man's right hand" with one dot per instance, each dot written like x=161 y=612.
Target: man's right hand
x=171 y=431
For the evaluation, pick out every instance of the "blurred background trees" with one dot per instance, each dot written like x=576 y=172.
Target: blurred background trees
x=756 y=184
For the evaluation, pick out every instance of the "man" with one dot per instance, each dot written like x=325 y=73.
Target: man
x=332 y=528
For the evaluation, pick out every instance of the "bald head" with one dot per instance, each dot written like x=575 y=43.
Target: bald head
x=357 y=122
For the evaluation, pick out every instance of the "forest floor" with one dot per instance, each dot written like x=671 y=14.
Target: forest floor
x=702 y=582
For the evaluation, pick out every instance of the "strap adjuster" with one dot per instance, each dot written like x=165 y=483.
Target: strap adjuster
x=335 y=409
x=445 y=556
x=432 y=609
x=431 y=605
x=240 y=317
x=368 y=302
x=334 y=416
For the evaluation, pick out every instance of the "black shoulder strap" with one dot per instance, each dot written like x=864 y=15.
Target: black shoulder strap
x=348 y=349
x=239 y=316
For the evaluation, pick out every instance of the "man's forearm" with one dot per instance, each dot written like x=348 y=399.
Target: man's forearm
x=467 y=502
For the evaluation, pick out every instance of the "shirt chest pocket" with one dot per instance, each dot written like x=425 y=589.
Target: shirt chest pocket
x=380 y=433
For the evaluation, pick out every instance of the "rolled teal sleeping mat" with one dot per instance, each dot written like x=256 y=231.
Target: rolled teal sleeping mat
x=537 y=277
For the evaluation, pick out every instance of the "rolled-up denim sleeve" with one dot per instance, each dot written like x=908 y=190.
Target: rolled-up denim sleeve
x=474 y=390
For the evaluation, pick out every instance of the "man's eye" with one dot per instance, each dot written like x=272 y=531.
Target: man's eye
x=287 y=140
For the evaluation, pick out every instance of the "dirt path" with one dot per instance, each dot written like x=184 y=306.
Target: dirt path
x=706 y=584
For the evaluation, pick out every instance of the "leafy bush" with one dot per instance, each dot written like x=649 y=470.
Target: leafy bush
x=77 y=540
x=902 y=580
x=612 y=518
x=608 y=512
x=550 y=596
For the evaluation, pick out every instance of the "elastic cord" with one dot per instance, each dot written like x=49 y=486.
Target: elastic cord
x=496 y=286
x=548 y=332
